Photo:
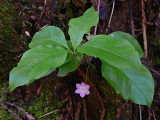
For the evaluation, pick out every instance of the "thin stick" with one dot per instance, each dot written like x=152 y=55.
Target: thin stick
x=111 y=14
x=10 y=111
x=48 y=113
x=26 y=114
x=109 y=23
x=144 y=29
x=99 y=2
x=140 y=112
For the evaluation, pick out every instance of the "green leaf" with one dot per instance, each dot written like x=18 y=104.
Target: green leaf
x=81 y=25
x=47 y=36
x=133 y=84
x=69 y=43
x=70 y=65
x=118 y=53
x=36 y=63
x=121 y=35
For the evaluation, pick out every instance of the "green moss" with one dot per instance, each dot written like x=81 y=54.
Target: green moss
x=36 y=108
x=4 y=115
x=39 y=106
x=3 y=112
x=10 y=41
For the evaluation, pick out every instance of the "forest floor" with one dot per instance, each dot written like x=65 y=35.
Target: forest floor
x=51 y=97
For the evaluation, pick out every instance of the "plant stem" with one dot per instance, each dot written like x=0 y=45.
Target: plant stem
x=95 y=89
x=92 y=84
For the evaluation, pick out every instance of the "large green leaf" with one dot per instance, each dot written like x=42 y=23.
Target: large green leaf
x=81 y=25
x=47 y=36
x=70 y=65
x=36 y=63
x=129 y=38
x=133 y=84
x=118 y=53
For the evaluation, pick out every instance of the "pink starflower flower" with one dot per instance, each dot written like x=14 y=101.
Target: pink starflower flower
x=82 y=89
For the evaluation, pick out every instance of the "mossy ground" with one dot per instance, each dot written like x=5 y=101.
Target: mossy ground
x=10 y=37
x=37 y=107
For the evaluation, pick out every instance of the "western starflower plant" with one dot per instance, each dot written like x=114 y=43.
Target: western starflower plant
x=119 y=53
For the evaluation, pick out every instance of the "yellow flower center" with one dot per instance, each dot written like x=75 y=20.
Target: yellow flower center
x=83 y=89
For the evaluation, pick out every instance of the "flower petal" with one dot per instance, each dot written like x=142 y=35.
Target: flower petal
x=77 y=91
x=87 y=86
x=82 y=94
x=87 y=92
x=83 y=84
x=78 y=86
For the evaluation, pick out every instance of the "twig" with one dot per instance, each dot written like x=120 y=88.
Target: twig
x=10 y=111
x=111 y=14
x=99 y=2
x=26 y=114
x=144 y=29
x=132 y=20
x=139 y=33
x=109 y=23
x=49 y=113
x=140 y=112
